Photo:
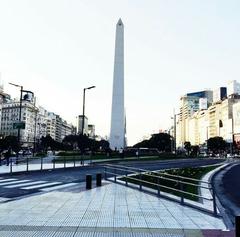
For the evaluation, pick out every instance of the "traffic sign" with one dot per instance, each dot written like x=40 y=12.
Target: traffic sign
x=19 y=125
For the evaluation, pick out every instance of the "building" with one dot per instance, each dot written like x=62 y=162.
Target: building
x=233 y=87
x=66 y=129
x=236 y=124
x=10 y=121
x=118 y=123
x=189 y=104
x=91 y=131
x=80 y=124
x=219 y=94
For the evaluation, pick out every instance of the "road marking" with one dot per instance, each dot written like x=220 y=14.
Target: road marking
x=14 y=182
x=25 y=184
x=41 y=185
x=58 y=187
x=6 y=180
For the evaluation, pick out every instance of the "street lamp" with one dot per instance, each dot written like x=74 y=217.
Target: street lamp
x=20 y=111
x=83 y=115
x=26 y=97
x=175 y=130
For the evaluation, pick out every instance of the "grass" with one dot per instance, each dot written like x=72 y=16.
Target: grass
x=104 y=158
x=172 y=182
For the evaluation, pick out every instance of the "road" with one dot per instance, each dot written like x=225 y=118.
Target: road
x=32 y=183
x=227 y=187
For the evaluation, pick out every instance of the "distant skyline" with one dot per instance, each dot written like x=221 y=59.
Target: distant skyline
x=55 y=48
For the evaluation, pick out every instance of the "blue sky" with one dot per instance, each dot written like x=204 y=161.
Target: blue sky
x=57 y=47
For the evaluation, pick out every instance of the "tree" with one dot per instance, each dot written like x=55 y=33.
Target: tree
x=9 y=142
x=83 y=142
x=195 y=151
x=161 y=141
x=47 y=142
x=188 y=147
x=71 y=140
x=216 y=144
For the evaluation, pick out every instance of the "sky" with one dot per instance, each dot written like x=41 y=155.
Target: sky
x=55 y=48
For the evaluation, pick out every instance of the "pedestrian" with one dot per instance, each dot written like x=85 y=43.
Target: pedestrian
x=8 y=155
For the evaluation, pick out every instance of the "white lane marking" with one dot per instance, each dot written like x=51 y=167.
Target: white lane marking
x=14 y=182
x=6 y=180
x=25 y=184
x=58 y=187
x=41 y=185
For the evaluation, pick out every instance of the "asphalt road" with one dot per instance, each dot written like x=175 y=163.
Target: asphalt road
x=227 y=187
x=9 y=190
x=231 y=184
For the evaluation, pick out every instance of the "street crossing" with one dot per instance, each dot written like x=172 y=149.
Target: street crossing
x=27 y=184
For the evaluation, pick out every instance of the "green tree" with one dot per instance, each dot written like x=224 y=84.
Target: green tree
x=188 y=147
x=195 y=151
x=216 y=144
x=9 y=142
x=161 y=141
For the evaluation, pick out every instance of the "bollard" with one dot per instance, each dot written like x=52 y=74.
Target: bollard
x=64 y=162
x=237 y=225
x=27 y=164
x=99 y=179
x=182 y=195
x=10 y=165
x=88 y=181
x=41 y=162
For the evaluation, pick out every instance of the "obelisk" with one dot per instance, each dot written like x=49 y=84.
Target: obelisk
x=117 y=133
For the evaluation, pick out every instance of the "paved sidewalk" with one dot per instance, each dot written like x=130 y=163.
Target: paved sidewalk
x=33 y=166
x=110 y=210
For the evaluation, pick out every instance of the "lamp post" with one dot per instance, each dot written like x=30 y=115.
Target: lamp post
x=20 y=111
x=83 y=114
x=175 y=130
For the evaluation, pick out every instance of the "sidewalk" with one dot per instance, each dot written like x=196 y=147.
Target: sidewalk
x=36 y=165
x=110 y=210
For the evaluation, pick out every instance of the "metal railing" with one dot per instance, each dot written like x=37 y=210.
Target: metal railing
x=135 y=176
x=26 y=164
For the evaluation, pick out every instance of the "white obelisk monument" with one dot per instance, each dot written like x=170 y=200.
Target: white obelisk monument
x=118 y=128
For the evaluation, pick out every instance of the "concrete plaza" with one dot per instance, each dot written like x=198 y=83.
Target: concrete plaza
x=109 y=210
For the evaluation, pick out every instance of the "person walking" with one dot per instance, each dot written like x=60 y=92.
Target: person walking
x=8 y=155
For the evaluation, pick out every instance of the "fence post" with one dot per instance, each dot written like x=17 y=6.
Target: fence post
x=105 y=173
x=115 y=176
x=27 y=164
x=126 y=175
x=214 y=202
x=54 y=163
x=140 y=184
x=88 y=181
x=10 y=165
x=158 y=183
x=74 y=162
x=182 y=195
x=98 y=179
x=41 y=162
x=64 y=162
x=237 y=225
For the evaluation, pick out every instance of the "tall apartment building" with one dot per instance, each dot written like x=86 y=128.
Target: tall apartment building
x=189 y=104
x=58 y=128
x=219 y=94
x=91 y=131
x=80 y=122
x=66 y=129
x=233 y=87
x=217 y=120
x=10 y=118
